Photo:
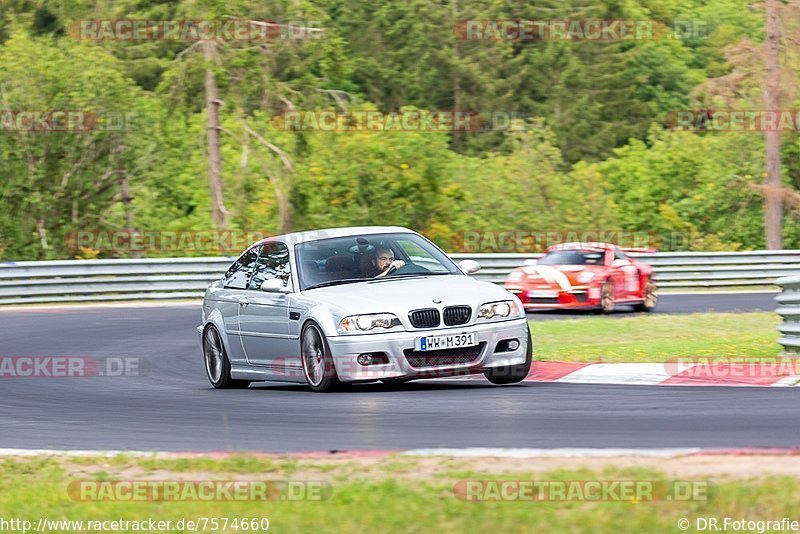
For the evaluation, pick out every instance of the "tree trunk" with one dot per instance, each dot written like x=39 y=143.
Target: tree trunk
x=458 y=137
x=218 y=212
x=127 y=199
x=125 y=193
x=284 y=209
x=773 y=208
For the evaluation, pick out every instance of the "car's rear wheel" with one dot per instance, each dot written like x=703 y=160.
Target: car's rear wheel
x=317 y=360
x=511 y=374
x=607 y=298
x=650 y=298
x=218 y=367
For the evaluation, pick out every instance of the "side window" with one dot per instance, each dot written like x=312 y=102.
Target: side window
x=238 y=273
x=273 y=262
x=419 y=256
x=619 y=255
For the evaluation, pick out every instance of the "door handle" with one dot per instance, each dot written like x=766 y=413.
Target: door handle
x=243 y=302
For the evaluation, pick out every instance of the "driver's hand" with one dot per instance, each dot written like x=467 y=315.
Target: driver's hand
x=395 y=263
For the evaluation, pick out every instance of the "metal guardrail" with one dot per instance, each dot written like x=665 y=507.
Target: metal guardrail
x=789 y=308
x=108 y=280
x=182 y=278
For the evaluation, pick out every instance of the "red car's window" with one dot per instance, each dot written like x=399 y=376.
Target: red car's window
x=573 y=257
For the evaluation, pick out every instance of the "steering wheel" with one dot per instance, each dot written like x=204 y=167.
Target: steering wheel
x=408 y=268
x=391 y=270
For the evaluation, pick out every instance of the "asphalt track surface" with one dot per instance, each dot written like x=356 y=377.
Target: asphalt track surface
x=687 y=303
x=171 y=406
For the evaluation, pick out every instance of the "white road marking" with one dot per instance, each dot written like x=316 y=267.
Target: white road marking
x=560 y=452
x=618 y=373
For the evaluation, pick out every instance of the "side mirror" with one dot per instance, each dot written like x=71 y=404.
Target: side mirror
x=470 y=266
x=620 y=263
x=274 y=285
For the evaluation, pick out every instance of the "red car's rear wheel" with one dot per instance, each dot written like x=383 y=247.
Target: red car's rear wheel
x=650 y=298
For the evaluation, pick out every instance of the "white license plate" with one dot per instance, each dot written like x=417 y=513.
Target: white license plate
x=450 y=341
x=542 y=293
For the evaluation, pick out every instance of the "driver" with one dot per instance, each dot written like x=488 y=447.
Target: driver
x=384 y=260
x=379 y=262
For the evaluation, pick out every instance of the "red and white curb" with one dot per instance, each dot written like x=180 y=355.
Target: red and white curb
x=778 y=374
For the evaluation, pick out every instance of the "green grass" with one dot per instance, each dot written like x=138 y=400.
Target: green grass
x=658 y=337
x=30 y=488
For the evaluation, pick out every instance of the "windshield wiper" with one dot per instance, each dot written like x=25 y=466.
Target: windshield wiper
x=407 y=275
x=336 y=283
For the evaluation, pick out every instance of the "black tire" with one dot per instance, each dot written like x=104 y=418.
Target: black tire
x=650 y=298
x=607 y=304
x=317 y=360
x=218 y=367
x=511 y=374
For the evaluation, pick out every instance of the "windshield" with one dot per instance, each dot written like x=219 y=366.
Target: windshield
x=573 y=257
x=352 y=259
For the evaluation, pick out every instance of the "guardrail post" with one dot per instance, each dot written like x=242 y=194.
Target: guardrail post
x=789 y=308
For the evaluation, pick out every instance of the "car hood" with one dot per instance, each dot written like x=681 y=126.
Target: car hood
x=402 y=295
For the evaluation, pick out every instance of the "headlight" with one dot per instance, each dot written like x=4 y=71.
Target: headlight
x=503 y=308
x=366 y=323
x=515 y=276
x=585 y=276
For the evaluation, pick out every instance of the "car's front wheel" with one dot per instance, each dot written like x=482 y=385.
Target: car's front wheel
x=317 y=360
x=218 y=367
x=511 y=374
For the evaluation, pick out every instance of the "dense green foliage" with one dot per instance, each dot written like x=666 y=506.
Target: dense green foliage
x=591 y=149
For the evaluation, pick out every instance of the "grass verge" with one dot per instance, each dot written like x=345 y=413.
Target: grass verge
x=412 y=495
x=658 y=337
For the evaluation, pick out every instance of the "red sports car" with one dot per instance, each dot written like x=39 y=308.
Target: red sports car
x=584 y=275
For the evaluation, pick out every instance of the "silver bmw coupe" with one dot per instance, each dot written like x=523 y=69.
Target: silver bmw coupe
x=358 y=305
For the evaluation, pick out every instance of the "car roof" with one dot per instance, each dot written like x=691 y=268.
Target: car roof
x=326 y=233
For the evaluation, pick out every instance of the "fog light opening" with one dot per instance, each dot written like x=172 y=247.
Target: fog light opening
x=372 y=358
x=507 y=345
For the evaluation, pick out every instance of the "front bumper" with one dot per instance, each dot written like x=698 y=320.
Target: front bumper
x=557 y=298
x=345 y=351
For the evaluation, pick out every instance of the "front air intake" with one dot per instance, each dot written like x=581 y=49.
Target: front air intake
x=455 y=315
x=428 y=318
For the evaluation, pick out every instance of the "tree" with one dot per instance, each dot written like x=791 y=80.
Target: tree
x=52 y=183
x=773 y=210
